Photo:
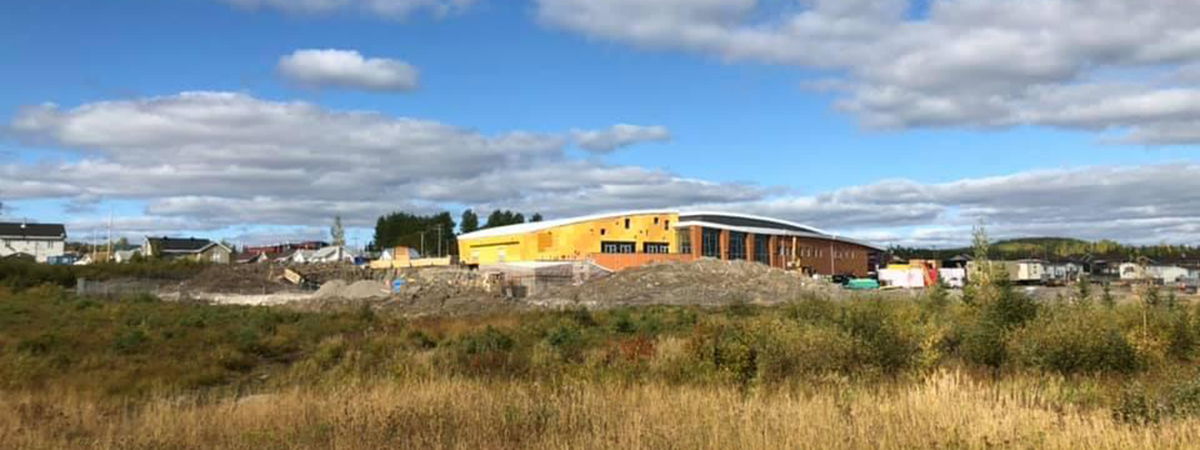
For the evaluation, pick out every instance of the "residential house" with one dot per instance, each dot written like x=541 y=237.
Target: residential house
x=199 y=250
x=1063 y=271
x=332 y=254
x=39 y=241
x=124 y=256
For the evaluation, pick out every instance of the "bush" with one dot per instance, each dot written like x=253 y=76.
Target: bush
x=788 y=349
x=130 y=341
x=1075 y=341
x=727 y=348
x=488 y=352
x=886 y=340
x=983 y=343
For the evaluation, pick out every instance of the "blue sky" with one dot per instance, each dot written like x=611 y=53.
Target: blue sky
x=746 y=123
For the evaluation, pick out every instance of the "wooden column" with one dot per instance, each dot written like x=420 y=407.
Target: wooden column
x=724 y=244
x=773 y=254
x=697 y=233
x=750 y=247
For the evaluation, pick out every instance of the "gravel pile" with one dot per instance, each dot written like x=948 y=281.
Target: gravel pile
x=703 y=282
x=359 y=290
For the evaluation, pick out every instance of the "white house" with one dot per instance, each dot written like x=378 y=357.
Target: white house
x=1166 y=274
x=124 y=256
x=41 y=241
x=332 y=254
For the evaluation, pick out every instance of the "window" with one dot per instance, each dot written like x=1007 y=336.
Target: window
x=602 y=232
x=656 y=221
x=710 y=243
x=762 y=248
x=658 y=248
x=737 y=245
x=666 y=224
x=618 y=247
x=626 y=223
x=684 y=237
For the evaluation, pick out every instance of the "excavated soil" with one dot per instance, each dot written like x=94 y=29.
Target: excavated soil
x=704 y=282
x=459 y=291
x=246 y=279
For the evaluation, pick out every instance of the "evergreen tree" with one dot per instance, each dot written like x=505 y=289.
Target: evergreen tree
x=410 y=230
x=537 y=217
x=337 y=234
x=499 y=218
x=1107 y=297
x=469 y=222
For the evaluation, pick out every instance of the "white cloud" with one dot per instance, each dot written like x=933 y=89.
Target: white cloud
x=974 y=63
x=220 y=161
x=223 y=159
x=619 y=136
x=393 y=9
x=347 y=69
x=1143 y=204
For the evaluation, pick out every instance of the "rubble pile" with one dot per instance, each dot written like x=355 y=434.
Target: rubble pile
x=249 y=279
x=703 y=282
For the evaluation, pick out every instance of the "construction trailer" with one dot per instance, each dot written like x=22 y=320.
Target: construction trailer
x=1025 y=271
x=630 y=239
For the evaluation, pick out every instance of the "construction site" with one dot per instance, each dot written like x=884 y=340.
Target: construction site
x=600 y=261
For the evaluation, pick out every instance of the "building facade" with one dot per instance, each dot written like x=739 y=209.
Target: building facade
x=622 y=240
x=199 y=250
x=40 y=241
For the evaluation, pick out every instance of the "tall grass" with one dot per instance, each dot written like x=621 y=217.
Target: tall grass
x=883 y=373
x=945 y=410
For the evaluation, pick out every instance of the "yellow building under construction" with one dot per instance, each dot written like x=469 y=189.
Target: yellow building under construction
x=626 y=239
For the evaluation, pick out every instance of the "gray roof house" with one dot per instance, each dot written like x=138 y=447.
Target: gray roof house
x=40 y=241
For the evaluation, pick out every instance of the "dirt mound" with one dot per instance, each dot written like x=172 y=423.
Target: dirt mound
x=359 y=290
x=704 y=282
x=238 y=279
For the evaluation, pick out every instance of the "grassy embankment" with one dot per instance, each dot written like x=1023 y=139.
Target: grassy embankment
x=998 y=370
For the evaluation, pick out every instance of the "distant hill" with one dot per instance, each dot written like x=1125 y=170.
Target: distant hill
x=1058 y=247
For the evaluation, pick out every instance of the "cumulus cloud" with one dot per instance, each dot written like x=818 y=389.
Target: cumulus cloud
x=223 y=159
x=619 y=136
x=209 y=161
x=1142 y=204
x=347 y=69
x=393 y=9
x=1096 y=65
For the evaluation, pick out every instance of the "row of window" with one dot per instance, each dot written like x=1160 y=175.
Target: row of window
x=622 y=247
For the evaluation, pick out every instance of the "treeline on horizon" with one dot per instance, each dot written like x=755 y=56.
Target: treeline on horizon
x=1058 y=248
x=409 y=230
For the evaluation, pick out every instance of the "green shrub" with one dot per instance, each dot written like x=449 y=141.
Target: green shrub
x=1075 y=341
x=1181 y=336
x=1007 y=307
x=726 y=347
x=567 y=341
x=1136 y=405
x=488 y=352
x=886 y=340
x=982 y=342
x=788 y=349
x=130 y=342
x=813 y=310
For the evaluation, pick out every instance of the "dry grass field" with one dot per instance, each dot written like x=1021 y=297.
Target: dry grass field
x=990 y=369
x=944 y=410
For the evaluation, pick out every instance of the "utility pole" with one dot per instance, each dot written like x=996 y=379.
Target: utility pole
x=422 y=244
x=439 y=240
x=110 y=242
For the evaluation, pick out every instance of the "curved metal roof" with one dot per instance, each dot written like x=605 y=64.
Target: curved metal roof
x=741 y=222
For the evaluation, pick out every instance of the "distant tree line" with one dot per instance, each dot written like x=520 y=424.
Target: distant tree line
x=1059 y=248
x=406 y=229
x=409 y=230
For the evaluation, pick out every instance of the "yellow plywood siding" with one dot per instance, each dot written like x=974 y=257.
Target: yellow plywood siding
x=571 y=241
